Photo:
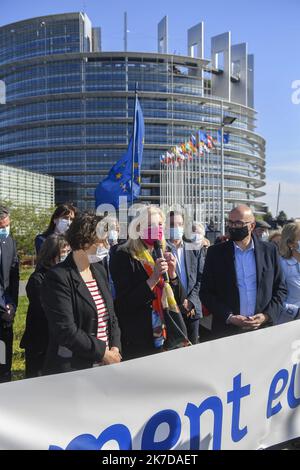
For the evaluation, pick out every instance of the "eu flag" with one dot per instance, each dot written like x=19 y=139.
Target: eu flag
x=118 y=181
x=203 y=137
x=225 y=137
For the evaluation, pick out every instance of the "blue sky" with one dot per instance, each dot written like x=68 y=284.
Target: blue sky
x=271 y=28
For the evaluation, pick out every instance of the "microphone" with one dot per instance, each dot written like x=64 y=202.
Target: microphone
x=159 y=254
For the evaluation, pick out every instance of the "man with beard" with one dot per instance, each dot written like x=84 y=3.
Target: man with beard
x=242 y=284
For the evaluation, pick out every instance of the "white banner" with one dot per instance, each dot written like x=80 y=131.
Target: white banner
x=241 y=392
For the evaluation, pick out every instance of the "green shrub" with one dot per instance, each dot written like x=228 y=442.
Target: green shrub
x=18 y=367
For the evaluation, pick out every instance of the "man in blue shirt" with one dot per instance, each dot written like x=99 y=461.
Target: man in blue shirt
x=242 y=283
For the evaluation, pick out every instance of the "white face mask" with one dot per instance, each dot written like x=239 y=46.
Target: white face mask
x=198 y=238
x=176 y=233
x=100 y=254
x=265 y=237
x=298 y=247
x=62 y=226
x=113 y=236
x=4 y=232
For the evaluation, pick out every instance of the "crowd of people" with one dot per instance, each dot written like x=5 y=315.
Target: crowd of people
x=96 y=300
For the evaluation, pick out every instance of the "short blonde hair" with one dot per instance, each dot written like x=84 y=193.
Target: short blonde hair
x=135 y=246
x=288 y=235
x=200 y=226
x=274 y=234
x=110 y=221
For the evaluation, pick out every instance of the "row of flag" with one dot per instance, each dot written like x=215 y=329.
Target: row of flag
x=196 y=145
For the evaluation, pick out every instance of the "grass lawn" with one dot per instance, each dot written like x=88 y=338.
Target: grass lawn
x=18 y=367
x=25 y=272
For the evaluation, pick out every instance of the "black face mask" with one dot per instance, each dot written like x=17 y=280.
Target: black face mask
x=238 y=234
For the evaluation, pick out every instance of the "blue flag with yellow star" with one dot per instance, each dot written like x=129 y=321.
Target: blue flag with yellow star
x=118 y=181
x=225 y=137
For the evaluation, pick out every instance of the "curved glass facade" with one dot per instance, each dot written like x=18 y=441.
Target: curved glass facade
x=69 y=110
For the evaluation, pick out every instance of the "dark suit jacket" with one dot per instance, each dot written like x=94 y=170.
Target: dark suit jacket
x=39 y=240
x=134 y=303
x=9 y=273
x=72 y=318
x=194 y=265
x=35 y=337
x=219 y=290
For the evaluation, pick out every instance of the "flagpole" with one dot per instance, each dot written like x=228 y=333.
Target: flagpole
x=278 y=199
x=201 y=193
x=222 y=173
x=198 y=210
x=134 y=140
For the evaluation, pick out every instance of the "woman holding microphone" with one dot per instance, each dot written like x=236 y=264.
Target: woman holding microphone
x=143 y=297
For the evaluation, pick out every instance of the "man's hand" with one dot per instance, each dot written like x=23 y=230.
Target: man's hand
x=256 y=321
x=189 y=308
x=171 y=260
x=10 y=313
x=11 y=309
x=238 y=320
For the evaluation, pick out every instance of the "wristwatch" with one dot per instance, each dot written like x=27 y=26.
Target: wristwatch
x=230 y=314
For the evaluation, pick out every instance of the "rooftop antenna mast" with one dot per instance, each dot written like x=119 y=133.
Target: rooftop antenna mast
x=125 y=31
x=278 y=199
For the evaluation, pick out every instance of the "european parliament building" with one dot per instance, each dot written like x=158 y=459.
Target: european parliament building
x=69 y=105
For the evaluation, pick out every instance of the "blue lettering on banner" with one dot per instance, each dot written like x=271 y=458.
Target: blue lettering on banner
x=235 y=397
x=116 y=432
x=122 y=435
x=274 y=394
x=194 y=412
x=166 y=416
x=292 y=400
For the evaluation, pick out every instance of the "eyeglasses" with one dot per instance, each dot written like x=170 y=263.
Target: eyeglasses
x=238 y=223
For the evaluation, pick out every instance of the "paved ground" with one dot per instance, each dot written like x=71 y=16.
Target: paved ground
x=289 y=445
x=22 y=290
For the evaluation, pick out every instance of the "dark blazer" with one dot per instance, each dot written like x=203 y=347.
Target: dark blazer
x=194 y=265
x=219 y=290
x=134 y=303
x=39 y=240
x=72 y=318
x=9 y=274
x=35 y=337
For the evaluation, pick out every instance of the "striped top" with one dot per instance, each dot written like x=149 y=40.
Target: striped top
x=102 y=331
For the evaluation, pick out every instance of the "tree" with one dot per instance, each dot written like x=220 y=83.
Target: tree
x=26 y=223
x=268 y=217
x=282 y=218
